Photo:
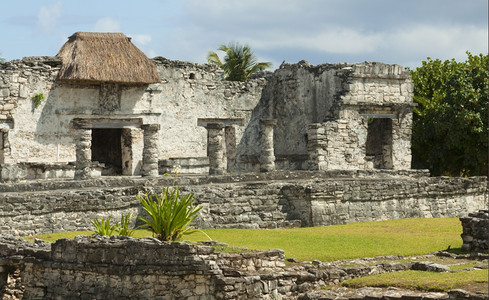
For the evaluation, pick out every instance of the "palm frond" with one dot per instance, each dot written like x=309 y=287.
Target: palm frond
x=239 y=62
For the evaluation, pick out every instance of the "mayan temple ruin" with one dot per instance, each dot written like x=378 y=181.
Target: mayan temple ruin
x=83 y=131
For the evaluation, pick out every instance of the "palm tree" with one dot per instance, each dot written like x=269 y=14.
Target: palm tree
x=239 y=63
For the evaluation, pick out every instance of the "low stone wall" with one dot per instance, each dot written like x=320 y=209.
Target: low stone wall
x=127 y=268
x=254 y=200
x=475 y=233
x=96 y=267
x=193 y=165
x=29 y=171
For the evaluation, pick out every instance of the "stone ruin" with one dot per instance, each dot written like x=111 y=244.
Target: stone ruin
x=99 y=267
x=137 y=116
x=302 y=146
x=475 y=233
x=101 y=108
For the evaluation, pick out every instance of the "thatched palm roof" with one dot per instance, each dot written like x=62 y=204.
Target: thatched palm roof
x=90 y=57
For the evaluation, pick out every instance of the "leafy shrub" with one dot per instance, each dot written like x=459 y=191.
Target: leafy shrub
x=169 y=214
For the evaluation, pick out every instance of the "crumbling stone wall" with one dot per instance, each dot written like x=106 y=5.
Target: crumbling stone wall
x=20 y=80
x=44 y=134
x=107 y=268
x=97 y=267
x=190 y=91
x=323 y=112
x=296 y=95
x=265 y=200
x=475 y=233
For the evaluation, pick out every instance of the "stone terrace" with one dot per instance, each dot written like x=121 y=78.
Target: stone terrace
x=252 y=200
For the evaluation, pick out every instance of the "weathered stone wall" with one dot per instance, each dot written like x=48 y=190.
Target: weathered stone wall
x=340 y=97
x=297 y=95
x=475 y=233
x=127 y=268
x=190 y=91
x=265 y=200
x=44 y=134
x=97 y=267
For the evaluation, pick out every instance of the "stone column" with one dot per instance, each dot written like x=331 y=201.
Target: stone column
x=215 y=148
x=316 y=140
x=230 y=137
x=83 y=144
x=267 y=155
x=150 y=150
x=4 y=144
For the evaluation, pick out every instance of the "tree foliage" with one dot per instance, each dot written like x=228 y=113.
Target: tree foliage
x=239 y=63
x=450 y=123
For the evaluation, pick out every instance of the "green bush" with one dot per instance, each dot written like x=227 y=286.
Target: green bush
x=169 y=214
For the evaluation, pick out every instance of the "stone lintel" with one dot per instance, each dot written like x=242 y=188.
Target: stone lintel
x=217 y=126
x=378 y=116
x=204 y=122
x=268 y=122
x=153 y=127
x=98 y=112
x=90 y=123
x=81 y=123
x=368 y=106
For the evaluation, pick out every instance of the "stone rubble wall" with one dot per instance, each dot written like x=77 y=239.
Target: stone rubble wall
x=338 y=145
x=336 y=96
x=97 y=267
x=108 y=268
x=475 y=233
x=262 y=200
x=20 y=80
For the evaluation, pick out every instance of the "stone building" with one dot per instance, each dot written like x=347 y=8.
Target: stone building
x=101 y=107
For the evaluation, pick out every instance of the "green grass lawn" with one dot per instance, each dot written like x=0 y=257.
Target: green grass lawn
x=403 y=237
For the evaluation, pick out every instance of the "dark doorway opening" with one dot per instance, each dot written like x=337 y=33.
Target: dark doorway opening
x=107 y=149
x=379 y=142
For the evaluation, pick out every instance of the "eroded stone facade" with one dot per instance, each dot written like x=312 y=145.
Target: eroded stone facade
x=331 y=116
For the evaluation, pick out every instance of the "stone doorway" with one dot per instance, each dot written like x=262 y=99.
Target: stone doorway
x=379 y=142
x=107 y=149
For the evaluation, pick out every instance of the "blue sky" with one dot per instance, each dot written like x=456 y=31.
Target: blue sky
x=319 y=31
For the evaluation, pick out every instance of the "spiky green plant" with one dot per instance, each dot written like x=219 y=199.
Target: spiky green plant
x=169 y=213
x=103 y=226
x=123 y=229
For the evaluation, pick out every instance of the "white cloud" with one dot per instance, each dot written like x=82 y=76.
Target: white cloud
x=141 y=39
x=106 y=24
x=332 y=40
x=47 y=17
x=444 y=42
